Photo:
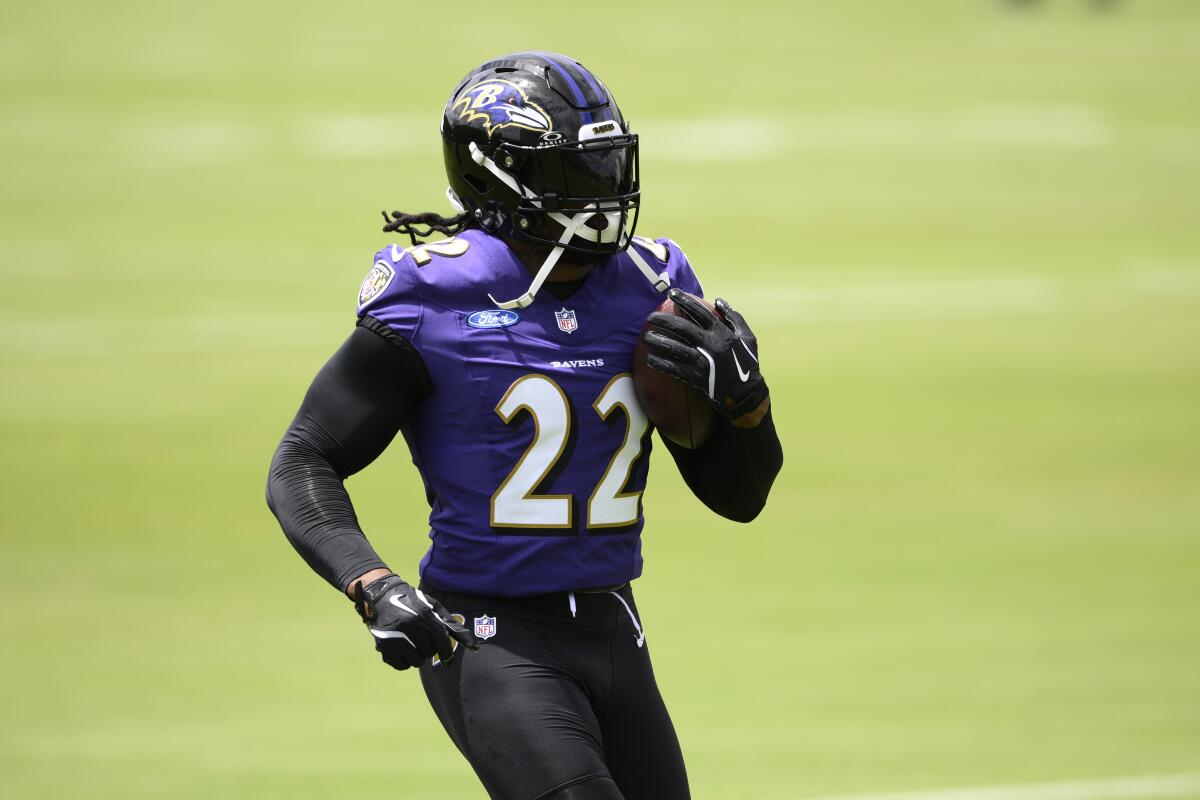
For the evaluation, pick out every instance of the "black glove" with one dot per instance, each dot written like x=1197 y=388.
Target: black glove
x=717 y=356
x=408 y=625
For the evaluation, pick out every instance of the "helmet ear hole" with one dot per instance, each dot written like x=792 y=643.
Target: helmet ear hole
x=478 y=184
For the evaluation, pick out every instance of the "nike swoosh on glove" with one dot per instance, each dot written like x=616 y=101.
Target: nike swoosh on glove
x=716 y=354
x=408 y=626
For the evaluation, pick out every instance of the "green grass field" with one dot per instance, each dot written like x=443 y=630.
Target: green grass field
x=968 y=238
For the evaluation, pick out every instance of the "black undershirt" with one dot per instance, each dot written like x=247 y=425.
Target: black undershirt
x=564 y=289
x=365 y=392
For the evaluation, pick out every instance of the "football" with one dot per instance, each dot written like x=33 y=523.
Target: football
x=682 y=413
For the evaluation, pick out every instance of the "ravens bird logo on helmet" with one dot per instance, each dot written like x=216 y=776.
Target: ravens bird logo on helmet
x=498 y=104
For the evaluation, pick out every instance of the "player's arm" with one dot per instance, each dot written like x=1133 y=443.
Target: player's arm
x=351 y=412
x=733 y=471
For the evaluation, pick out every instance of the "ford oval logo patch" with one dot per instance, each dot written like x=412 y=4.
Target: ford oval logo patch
x=493 y=319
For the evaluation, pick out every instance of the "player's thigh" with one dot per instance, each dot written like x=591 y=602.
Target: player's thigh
x=524 y=724
x=641 y=747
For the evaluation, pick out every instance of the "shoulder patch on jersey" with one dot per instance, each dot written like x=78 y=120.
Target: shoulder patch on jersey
x=377 y=280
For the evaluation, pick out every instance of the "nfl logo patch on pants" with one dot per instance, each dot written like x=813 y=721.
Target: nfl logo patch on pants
x=485 y=627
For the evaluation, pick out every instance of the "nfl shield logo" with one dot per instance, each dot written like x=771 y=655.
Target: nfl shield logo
x=485 y=627
x=567 y=323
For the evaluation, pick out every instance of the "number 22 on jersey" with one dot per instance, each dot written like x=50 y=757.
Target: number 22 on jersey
x=514 y=505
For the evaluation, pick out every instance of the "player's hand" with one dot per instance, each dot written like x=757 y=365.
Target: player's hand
x=408 y=626
x=719 y=356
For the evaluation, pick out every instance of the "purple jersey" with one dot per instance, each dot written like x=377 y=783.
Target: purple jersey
x=532 y=446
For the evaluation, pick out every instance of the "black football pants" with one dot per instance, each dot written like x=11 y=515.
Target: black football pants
x=560 y=701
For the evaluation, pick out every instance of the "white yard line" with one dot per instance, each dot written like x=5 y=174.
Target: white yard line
x=736 y=137
x=892 y=299
x=751 y=137
x=1146 y=786
x=924 y=298
x=192 y=141
x=40 y=334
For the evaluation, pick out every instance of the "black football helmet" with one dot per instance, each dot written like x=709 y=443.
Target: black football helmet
x=537 y=149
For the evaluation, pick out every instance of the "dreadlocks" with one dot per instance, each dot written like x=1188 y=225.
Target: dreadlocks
x=409 y=224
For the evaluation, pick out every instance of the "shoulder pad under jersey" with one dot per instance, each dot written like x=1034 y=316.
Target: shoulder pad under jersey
x=664 y=252
x=401 y=278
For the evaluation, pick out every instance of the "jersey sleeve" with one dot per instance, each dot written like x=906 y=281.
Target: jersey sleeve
x=665 y=252
x=680 y=269
x=390 y=293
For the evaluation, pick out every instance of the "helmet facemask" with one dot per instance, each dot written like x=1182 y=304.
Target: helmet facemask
x=599 y=175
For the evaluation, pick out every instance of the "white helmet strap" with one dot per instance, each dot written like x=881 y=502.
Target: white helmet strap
x=547 y=265
x=608 y=235
x=661 y=281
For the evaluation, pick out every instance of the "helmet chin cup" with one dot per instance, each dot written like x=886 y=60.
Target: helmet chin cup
x=609 y=234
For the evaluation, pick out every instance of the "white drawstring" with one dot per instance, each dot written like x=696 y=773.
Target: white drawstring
x=641 y=636
x=571 y=602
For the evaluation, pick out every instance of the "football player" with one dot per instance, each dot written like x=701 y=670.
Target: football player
x=503 y=354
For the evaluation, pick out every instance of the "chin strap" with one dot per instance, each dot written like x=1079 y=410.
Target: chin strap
x=491 y=166
x=544 y=271
x=571 y=227
x=661 y=281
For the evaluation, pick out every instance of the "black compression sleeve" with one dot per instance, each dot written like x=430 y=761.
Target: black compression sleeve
x=733 y=472
x=352 y=411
